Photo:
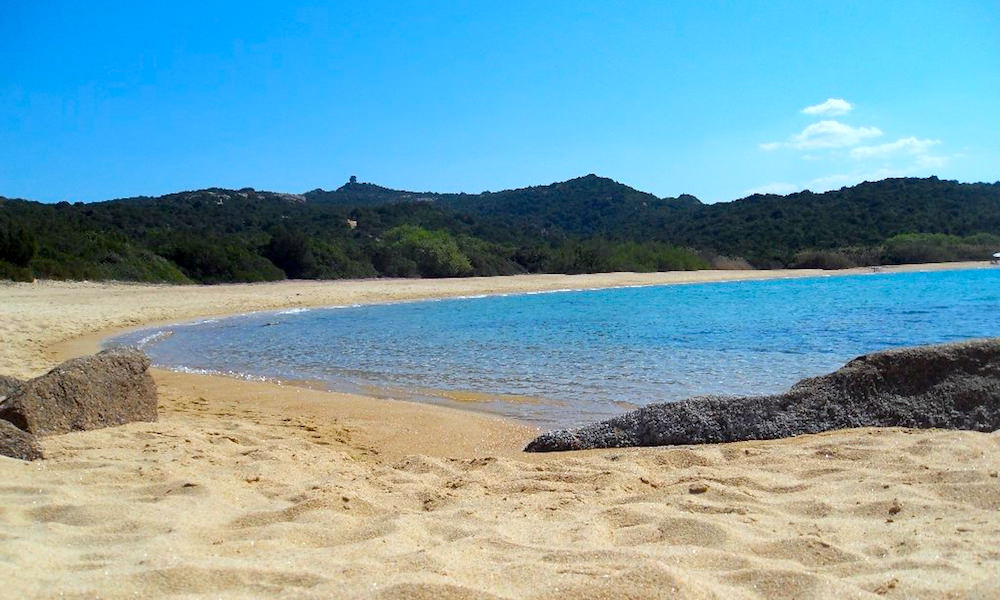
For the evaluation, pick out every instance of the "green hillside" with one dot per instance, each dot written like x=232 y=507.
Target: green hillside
x=770 y=230
x=586 y=224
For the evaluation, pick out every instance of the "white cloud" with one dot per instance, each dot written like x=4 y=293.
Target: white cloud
x=908 y=146
x=850 y=154
x=832 y=107
x=825 y=134
x=830 y=182
x=831 y=134
x=837 y=181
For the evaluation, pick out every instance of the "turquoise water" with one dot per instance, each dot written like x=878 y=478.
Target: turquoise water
x=587 y=355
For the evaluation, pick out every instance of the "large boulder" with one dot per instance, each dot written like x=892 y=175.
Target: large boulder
x=109 y=388
x=18 y=444
x=954 y=386
x=8 y=385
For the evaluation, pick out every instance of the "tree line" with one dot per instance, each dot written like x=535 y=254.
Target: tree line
x=589 y=224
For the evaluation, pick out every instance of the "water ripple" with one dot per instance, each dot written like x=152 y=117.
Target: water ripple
x=591 y=353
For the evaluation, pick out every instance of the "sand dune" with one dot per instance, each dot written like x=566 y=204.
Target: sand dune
x=262 y=490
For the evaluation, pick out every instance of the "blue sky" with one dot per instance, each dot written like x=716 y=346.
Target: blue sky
x=718 y=99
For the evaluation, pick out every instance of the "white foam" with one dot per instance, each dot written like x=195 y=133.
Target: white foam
x=216 y=372
x=557 y=291
x=202 y=322
x=153 y=337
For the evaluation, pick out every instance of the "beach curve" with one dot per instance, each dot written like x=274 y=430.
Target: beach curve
x=254 y=490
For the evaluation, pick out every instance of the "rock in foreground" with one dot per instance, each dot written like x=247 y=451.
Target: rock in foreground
x=110 y=388
x=8 y=385
x=952 y=386
x=18 y=444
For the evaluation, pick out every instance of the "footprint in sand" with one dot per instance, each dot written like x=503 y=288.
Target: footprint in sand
x=432 y=591
x=809 y=552
x=678 y=531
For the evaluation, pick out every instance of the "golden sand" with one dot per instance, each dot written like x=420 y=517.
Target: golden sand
x=263 y=490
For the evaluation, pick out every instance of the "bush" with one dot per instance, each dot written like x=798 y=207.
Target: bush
x=341 y=260
x=489 y=259
x=290 y=251
x=731 y=263
x=937 y=247
x=598 y=255
x=822 y=259
x=220 y=262
x=409 y=249
x=17 y=246
x=15 y=273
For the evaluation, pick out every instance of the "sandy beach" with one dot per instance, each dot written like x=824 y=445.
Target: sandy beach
x=246 y=489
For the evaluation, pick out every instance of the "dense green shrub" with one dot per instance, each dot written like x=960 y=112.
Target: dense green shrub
x=291 y=253
x=822 y=259
x=218 y=262
x=17 y=245
x=431 y=253
x=14 y=273
x=99 y=256
x=489 y=259
x=582 y=225
x=599 y=255
x=341 y=259
x=937 y=247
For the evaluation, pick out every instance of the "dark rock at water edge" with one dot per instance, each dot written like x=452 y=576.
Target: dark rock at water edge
x=8 y=385
x=18 y=444
x=953 y=386
x=110 y=388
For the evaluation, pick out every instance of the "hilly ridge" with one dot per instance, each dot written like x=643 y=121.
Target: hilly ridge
x=585 y=205
x=584 y=224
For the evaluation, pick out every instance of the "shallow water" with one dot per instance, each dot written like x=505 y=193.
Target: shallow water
x=577 y=356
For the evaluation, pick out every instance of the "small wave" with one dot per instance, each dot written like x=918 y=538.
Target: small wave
x=195 y=371
x=202 y=322
x=294 y=311
x=153 y=337
x=216 y=372
x=557 y=291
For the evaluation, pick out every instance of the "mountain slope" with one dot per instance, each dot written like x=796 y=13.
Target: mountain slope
x=588 y=205
x=584 y=224
x=772 y=228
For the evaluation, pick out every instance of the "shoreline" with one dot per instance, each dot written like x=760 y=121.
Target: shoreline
x=419 y=290
x=255 y=490
x=172 y=304
x=406 y=291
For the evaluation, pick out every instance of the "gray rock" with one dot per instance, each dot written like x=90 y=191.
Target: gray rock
x=953 y=386
x=18 y=444
x=109 y=388
x=8 y=384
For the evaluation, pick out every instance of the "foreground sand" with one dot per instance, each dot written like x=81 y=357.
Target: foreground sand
x=261 y=490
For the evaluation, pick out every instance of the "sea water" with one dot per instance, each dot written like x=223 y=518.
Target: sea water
x=562 y=359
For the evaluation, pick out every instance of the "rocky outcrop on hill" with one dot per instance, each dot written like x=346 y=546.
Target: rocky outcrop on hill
x=109 y=388
x=954 y=386
x=18 y=444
